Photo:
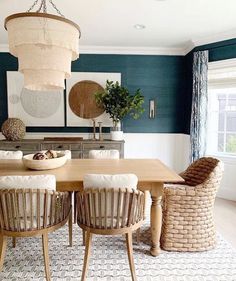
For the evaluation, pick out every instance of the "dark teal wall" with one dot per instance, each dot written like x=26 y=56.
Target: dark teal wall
x=217 y=51
x=168 y=79
x=159 y=77
x=220 y=51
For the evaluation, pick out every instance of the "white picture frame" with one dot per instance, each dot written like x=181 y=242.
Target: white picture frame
x=98 y=77
x=35 y=109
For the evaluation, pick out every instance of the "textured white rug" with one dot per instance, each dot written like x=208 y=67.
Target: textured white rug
x=109 y=260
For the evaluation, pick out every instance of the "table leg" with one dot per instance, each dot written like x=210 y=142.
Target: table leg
x=156 y=218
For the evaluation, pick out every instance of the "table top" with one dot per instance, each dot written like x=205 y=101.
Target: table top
x=71 y=174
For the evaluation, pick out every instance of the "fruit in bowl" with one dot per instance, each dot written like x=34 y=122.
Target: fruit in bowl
x=44 y=160
x=49 y=154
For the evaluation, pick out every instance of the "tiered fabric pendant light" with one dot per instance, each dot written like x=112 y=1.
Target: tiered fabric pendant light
x=45 y=45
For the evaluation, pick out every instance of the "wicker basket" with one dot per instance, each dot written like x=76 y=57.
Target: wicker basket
x=188 y=223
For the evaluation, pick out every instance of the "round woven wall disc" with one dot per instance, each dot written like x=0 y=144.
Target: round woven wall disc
x=82 y=99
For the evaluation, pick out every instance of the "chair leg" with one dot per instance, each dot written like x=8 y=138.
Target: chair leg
x=146 y=194
x=70 y=225
x=13 y=242
x=84 y=237
x=75 y=210
x=3 y=246
x=87 y=254
x=130 y=254
x=46 y=256
x=138 y=235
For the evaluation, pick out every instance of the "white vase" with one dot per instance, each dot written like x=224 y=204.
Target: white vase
x=116 y=132
x=116 y=135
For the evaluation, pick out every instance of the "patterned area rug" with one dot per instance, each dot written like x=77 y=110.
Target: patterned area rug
x=109 y=260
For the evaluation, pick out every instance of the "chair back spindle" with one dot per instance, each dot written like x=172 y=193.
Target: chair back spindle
x=32 y=209
x=104 y=208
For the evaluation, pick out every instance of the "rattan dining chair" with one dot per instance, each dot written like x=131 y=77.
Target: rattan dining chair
x=32 y=212
x=109 y=212
x=100 y=154
x=188 y=223
x=11 y=155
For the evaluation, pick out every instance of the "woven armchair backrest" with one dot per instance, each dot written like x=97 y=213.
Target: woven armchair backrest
x=204 y=170
x=110 y=208
x=32 y=209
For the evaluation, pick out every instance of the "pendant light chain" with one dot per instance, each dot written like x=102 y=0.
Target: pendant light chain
x=43 y=7
x=55 y=7
x=31 y=8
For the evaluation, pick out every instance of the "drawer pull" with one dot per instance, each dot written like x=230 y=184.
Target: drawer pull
x=102 y=146
x=17 y=146
x=60 y=146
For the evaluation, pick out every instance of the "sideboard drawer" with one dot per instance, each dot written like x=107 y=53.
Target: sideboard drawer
x=90 y=146
x=75 y=146
x=79 y=149
x=30 y=146
x=55 y=146
x=76 y=154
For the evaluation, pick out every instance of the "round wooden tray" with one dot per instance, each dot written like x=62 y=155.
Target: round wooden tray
x=82 y=99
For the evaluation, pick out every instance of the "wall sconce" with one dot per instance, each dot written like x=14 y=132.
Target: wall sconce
x=152 y=109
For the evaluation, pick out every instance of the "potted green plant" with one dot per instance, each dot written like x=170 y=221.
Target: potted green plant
x=118 y=103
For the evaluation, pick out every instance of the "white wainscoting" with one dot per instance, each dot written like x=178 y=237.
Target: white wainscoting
x=172 y=149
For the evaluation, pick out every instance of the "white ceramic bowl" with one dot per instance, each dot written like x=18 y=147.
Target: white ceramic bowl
x=46 y=164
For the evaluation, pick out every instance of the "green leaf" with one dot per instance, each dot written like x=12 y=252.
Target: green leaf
x=118 y=102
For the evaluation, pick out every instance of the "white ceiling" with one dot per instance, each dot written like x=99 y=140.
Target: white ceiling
x=173 y=26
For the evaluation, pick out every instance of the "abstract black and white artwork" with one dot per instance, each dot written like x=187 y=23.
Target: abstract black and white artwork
x=34 y=108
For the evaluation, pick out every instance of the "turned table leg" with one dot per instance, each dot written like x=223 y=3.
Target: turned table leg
x=156 y=217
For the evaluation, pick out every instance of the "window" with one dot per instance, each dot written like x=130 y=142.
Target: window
x=221 y=132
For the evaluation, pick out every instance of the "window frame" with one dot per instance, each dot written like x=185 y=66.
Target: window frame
x=216 y=81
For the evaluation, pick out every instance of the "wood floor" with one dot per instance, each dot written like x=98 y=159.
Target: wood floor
x=225 y=218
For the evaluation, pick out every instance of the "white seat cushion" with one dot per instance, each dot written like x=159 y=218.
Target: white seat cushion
x=104 y=154
x=110 y=181
x=10 y=155
x=117 y=181
x=35 y=182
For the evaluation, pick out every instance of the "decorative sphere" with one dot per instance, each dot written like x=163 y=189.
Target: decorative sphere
x=13 y=129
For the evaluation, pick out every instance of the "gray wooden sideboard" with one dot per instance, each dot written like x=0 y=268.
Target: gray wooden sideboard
x=79 y=148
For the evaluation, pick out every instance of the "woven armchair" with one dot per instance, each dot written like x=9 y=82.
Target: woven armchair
x=110 y=212
x=32 y=212
x=188 y=223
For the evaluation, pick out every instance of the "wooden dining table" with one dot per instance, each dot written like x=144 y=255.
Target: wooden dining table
x=151 y=173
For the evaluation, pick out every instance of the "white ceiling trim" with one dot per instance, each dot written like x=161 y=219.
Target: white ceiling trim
x=188 y=48
x=214 y=38
x=4 y=48
x=131 y=50
x=121 y=50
